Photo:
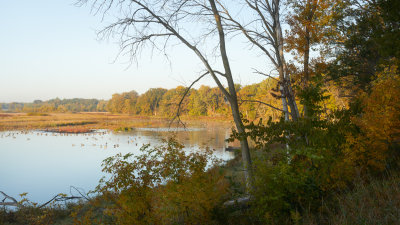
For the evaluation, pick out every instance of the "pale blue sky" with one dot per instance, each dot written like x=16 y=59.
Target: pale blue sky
x=49 y=48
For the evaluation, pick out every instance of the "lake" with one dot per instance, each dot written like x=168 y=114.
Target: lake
x=45 y=164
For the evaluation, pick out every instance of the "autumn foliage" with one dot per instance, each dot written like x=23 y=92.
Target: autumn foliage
x=379 y=123
x=164 y=185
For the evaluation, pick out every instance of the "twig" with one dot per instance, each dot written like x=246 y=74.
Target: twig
x=248 y=100
x=56 y=198
x=264 y=74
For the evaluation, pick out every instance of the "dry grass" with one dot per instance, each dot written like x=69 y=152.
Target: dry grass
x=373 y=202
x=70 y=130
x=65 y=122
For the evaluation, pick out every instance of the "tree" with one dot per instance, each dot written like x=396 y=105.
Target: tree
x=375 y=147
x=312 y=25
x=116 y=103
x=61 y=108
x=264 y=31
x=101 y=106
x=148 y=103
x=130 y=102
x=170 y=101
x=371 y=41
x=196 y=105
x=157 y=23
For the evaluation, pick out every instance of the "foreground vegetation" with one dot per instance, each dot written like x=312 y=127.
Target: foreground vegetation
x=166 y=184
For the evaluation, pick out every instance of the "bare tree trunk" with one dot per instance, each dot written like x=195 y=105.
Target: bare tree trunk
x=244 y=145
x=284 y=103
x=233 y=99
x=284 y=76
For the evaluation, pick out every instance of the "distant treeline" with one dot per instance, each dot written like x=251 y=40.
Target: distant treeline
x=205 y=101
x=57 y=105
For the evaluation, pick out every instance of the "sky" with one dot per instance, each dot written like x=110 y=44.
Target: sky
x=50 y=48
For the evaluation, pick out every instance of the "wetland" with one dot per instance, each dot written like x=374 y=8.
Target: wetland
x=47 y=154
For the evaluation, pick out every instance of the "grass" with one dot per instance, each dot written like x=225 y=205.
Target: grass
x=70 y=130
x=87 y=121
x=123 y=129
x=36 y=114
x=374 y=202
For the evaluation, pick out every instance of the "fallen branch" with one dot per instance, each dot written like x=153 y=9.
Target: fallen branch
x=13 y=203
x=56 y=198
x=63 y=197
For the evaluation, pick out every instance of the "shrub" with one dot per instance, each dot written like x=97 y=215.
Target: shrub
x=163 y=185
x=373 y=148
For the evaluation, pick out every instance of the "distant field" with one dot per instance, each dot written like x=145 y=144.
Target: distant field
x=84 y=122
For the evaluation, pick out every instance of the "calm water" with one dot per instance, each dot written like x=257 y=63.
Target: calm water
x=45 y=164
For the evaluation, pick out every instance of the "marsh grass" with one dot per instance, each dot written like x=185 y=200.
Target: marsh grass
x=88 y=121
x=36 y=114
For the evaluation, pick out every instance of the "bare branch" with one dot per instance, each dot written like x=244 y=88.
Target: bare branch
x=56 y=198
x=264 y=74
x=256 y=101
x=13 y=203
x=177 y=115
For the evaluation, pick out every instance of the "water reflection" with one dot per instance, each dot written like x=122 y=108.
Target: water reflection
x=45 y=164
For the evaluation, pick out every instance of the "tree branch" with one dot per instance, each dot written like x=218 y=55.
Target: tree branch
x=256 y=101
x=264 y=74
x=56 y=198
x=177 y=115
x=13 y=203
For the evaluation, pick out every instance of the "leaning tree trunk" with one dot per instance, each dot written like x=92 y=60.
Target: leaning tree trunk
x=232 y=97
x=246 y=158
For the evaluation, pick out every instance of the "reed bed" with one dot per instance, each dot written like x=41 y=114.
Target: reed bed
x=84 y=122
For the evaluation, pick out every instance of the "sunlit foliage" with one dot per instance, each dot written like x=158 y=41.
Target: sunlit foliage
x=379 y=122
x=164 y=185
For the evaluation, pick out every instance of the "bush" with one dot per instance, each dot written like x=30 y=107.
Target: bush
x=164 y=185
x=374 y=148
x=307 y=166
x=31 y=214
